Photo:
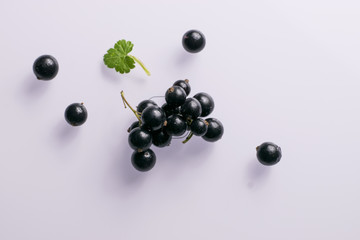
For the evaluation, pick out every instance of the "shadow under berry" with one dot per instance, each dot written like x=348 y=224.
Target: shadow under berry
x=257 y=173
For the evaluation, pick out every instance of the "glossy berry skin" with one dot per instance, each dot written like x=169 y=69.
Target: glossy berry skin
x=206 y=102
x=183 y=84
x=153 y=118
x=143 y=161
x=133 y=125
x=199 y=127
x=144 y=104
x=175 y=96
x=176 y=125
x=170 y=110
x=191 y=109
x=139 y=139
x=215 y=130
x=76 y=114
x=160 y=138
x=268 y=153
x=193 y=41
x=45 y=67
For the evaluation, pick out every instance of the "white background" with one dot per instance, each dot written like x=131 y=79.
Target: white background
x=281 y=71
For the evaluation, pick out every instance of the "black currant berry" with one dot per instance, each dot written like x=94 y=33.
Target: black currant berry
x=133 y=125
x=160 y=138
x=175 y=96
x=175 y=125
x=199 y=127
x=76 y=114
x=153 y=118
x=184 y=84
x=139 y=139
x=193 y=41
x=143 y=161
x=268 y=153
x=207 y=103
x=45 y=67
x=170 y=110
x=215 y=130
x=191 y=108
x=144 y=104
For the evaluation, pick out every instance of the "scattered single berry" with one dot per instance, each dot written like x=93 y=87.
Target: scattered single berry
x=45 y=67
x=268 y=153
x=143 y=161
x=193 y=41
x=76 y=114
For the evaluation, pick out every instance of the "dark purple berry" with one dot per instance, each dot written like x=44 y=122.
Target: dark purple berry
x=76 y=114
x=144 y=104
x=183 y=84
x=268 y=153
x=139 y=139
x=193 y=41
x=160 y=138
x=153 y=118
x=175 y=96
x=143 y=161
x=133 y=125
x=175 y=125
x=207 y=103
x=45 y=67
x=170 y=110
x=191 y=109
x=215 y=130
x=199 y=127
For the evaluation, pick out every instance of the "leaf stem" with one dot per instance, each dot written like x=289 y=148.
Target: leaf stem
x=141 y=64
x=127 y=104
x=188 y=137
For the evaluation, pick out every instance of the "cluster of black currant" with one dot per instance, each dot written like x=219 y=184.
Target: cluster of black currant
x=180 y=114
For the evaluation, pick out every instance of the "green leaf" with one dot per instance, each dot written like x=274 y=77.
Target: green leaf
x=118 y=58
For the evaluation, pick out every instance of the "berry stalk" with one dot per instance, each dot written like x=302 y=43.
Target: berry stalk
x=127 y=104
x=188 y=137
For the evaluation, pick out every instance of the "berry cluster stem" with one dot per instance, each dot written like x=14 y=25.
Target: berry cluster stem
x=188 y=137
x=127 y=104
